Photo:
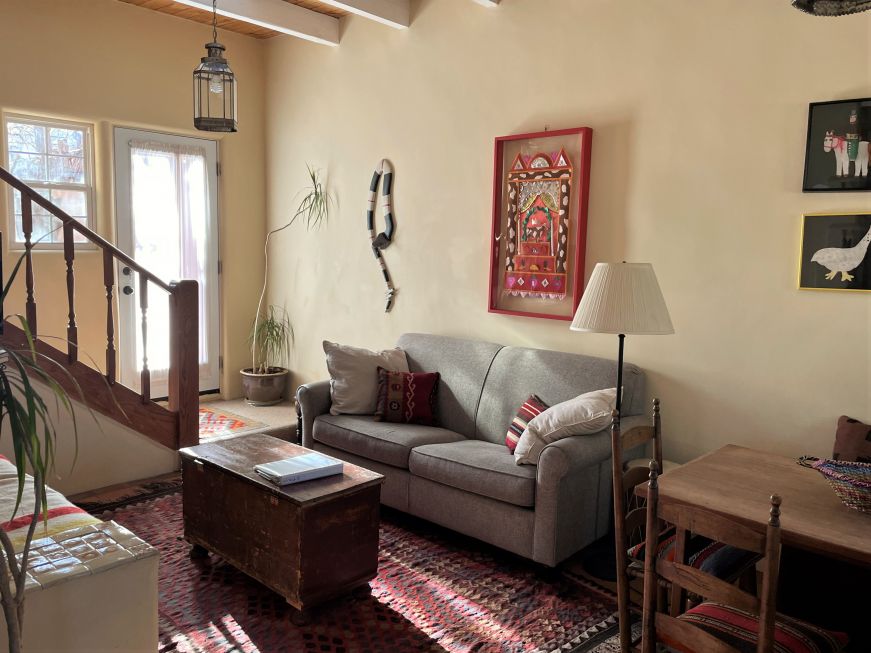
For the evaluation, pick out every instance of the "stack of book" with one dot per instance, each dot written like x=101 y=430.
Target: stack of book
x=299 y=468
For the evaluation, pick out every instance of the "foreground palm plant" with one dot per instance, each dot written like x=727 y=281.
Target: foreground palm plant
x=30 y=426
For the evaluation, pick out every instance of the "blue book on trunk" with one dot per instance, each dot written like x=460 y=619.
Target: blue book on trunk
x=299 y=468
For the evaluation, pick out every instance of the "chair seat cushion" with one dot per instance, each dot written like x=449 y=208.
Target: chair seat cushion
x=715 y=558
x=476 y=466
x=740 y=630
x=383 y=442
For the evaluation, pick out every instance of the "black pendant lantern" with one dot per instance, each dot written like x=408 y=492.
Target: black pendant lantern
x=214 y=87
x=832 y=7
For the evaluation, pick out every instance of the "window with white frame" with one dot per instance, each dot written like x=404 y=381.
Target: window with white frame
x=55 y=158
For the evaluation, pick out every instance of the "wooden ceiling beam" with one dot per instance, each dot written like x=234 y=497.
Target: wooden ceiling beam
x=279 y=16
x=395 y=13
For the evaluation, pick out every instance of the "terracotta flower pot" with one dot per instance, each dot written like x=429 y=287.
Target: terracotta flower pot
x=264 y=389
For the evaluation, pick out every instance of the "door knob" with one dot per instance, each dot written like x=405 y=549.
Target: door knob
x=127 y=290
x=126 y=270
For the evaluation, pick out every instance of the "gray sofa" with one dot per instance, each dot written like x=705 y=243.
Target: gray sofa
x=460 y=474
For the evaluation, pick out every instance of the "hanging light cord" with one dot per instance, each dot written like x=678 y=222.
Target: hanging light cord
x=214 y=21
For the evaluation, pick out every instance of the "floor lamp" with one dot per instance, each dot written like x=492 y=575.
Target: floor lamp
x=623 y=299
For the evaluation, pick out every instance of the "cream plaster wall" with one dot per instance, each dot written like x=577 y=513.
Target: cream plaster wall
x=111 y=63
x=699 y=111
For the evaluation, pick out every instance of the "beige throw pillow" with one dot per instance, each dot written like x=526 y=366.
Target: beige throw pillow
x=585 y=414
x=354 y=376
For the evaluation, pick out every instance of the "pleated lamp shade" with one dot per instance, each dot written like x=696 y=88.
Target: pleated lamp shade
x=623 y=298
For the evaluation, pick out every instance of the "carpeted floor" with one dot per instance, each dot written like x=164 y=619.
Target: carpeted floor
x=435 y=591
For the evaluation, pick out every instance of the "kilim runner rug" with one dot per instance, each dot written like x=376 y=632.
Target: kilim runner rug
x=435 y=591
x=215 y=423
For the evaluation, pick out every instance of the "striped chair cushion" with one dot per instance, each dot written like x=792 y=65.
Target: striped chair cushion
x=530 y=408
x=740 y=630
x=715 y=558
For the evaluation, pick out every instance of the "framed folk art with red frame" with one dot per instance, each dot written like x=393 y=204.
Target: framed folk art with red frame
x=541 y=186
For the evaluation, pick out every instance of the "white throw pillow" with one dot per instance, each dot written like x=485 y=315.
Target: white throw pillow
x=354 y=376
x=585 y=414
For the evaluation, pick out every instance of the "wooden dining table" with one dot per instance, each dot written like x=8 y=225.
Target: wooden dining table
x=737 y=482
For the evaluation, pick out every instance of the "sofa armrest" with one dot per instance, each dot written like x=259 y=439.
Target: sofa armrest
x=314 y=400
x=573 y=492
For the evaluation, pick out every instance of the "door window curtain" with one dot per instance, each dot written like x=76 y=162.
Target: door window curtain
x=169 y=198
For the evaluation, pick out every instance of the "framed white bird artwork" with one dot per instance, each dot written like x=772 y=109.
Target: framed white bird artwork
x=835 y=251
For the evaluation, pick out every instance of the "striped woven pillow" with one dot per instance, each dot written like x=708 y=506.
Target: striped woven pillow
x=740 y=630
x=530 y=408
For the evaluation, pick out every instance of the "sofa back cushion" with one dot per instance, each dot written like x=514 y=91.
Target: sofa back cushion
x=554 y=376
x=463 y=366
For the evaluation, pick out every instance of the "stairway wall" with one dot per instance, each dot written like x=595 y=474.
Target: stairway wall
x=98 y=451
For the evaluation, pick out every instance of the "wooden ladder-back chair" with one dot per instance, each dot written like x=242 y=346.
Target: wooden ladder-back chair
x=729 y=620
x=629 y=514
x=629 y=526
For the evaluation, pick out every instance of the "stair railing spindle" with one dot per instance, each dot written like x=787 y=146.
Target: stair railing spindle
x=27 y=228
x=109 y=282
x=72 y=328
x=145 y=377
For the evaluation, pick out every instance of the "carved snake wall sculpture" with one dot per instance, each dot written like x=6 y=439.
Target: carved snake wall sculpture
x=382 y=241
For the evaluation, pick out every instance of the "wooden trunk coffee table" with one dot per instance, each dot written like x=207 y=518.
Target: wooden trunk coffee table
x=309 y=542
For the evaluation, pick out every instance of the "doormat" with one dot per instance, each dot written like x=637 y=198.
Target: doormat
x=215 y=423
x=435 y=591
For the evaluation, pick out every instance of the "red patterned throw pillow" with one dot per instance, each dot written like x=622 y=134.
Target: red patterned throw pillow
x=407 y=397
x=530 y=408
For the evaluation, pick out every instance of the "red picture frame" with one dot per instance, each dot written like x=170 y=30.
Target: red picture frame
x=522 y=149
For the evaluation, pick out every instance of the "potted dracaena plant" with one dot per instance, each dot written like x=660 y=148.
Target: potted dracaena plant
x=26 y=418
x=271 y=339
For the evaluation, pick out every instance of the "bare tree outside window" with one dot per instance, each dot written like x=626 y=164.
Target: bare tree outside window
x=53 y=158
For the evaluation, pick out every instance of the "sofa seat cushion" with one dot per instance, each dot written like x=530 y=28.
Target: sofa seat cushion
x=384 y=442
x=484 y=468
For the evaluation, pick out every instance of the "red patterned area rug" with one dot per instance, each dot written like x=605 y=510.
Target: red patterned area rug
x=435 y=591
x=215 y=423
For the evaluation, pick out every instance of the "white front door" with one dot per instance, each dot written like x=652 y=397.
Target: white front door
x=166 y=208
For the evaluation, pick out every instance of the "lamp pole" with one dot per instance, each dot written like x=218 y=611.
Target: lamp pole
x=619 y=398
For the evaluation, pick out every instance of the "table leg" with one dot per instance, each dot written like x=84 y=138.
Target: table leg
x=300 y=617
x=198 y=552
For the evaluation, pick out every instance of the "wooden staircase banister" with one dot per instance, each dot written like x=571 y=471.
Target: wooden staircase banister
x=177 y=426
x=77 y=226
x=86 y=385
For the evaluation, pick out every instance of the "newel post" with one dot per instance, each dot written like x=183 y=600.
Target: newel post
x=184 y=365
